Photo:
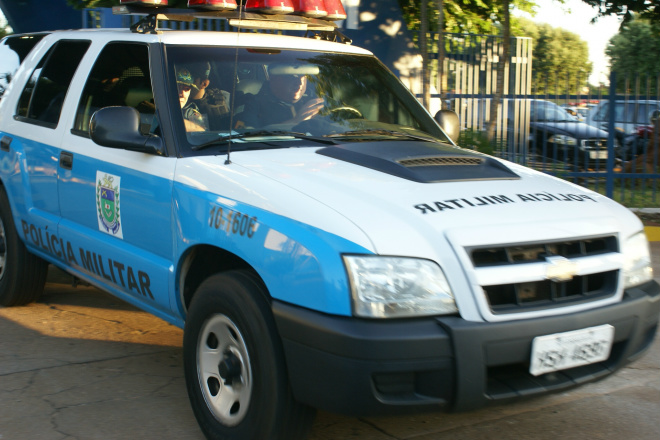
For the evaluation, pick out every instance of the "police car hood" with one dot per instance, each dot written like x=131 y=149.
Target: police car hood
x=405 y=203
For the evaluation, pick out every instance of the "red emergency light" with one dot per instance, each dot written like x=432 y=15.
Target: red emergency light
x=335 y=10
x=310 y=8
x=144 y=2
x=270 y=6
x=216 y=5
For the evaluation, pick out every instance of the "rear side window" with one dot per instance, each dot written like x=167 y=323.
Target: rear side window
x=13 y=50
x=120 y=77
x=43 y=95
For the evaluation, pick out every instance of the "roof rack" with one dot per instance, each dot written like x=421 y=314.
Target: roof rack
x=316 y=28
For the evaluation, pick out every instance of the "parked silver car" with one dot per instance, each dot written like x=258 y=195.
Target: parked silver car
x=628 y=114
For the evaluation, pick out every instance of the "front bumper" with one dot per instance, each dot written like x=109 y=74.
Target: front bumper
x=368 y=367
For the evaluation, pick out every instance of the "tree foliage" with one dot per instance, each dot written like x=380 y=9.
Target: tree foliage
x=461 y=16
x=627 y=9
x=633 y=54
x=560 y=58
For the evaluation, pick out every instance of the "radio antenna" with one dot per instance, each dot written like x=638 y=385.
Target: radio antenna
x=232 y=98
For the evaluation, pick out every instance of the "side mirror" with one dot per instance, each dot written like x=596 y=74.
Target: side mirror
x=119 y=127
x=448 y=121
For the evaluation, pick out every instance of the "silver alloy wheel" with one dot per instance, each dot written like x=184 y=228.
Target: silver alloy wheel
x=223 y=370
x=3 y=249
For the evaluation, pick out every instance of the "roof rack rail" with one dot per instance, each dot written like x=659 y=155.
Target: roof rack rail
x=314 y=27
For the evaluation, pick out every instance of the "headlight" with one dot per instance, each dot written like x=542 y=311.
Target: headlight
x=561 y=139
x=391 y=287
x=637 y=261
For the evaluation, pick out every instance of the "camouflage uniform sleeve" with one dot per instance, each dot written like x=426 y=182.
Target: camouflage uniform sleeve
x=191 y=112
x=214 y=103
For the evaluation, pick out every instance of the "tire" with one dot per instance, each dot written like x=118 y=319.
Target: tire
x=234 y=364
x=22 y=274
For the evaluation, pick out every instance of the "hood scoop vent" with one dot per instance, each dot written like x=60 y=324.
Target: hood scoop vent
x=440 y=161
x=423 y=162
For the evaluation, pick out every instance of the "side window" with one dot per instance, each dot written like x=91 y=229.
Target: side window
x=13 y=51
x=121 y=77
x=43 y=95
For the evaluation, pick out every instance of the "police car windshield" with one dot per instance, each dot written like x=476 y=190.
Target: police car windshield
x=224 y=95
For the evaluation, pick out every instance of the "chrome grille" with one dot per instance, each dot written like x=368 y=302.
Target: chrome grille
x=516 y=296
x=538 y=252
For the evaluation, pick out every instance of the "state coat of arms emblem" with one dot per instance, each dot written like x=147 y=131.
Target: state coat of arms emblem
x=107 y=203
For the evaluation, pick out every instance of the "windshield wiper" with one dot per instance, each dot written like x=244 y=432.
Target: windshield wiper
x=261 y=133
x=393 y=133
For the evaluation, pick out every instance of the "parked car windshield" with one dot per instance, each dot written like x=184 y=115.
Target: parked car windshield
x=268 y=98
x=549 y=112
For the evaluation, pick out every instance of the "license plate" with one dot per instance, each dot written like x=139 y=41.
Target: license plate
x=571 y=349
x=598 y=154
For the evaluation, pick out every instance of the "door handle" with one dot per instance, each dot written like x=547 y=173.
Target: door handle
x=5 y=142
x=66 y=160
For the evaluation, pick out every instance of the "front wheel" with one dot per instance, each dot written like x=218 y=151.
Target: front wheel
x=234 y=364
x=22 y=274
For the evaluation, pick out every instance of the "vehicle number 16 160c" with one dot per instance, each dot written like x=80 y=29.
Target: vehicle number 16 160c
x=232 y=222
x=561 y=351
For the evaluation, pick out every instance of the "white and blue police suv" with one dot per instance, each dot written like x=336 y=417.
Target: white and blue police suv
x=321 y=240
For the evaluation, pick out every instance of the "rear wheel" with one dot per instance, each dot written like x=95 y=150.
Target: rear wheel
x=234 y=364
x=22 y=274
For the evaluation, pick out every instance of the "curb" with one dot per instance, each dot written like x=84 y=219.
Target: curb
x=652 y=233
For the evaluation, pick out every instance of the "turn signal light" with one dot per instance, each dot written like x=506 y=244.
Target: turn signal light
x=310 y=8
x=335 y=10
x=144 y=2
x=216 y=5
x=270 y=6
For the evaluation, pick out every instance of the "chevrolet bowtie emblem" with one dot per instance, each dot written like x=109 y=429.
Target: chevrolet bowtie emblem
x=560 y=269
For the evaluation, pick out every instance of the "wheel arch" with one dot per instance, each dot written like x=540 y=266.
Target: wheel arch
x=202 y=261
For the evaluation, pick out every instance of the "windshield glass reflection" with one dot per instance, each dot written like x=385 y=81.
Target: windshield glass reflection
x=280 y=98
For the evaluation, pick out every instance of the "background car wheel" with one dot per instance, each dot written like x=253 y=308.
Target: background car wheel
x=234 y=364
x=22 y=274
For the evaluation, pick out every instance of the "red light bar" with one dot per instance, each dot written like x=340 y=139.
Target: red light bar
x=310 y=8
x=335 y=10
x=216 y=5
x=270 y=6
x=144 y=2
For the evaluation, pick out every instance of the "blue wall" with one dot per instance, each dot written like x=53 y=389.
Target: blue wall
x=381 y=30
x=376 y=25
x=40 y=15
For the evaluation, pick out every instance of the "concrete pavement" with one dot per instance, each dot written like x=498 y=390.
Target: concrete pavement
x=80 y=364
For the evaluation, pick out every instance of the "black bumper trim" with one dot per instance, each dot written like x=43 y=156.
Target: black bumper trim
x=367 y=367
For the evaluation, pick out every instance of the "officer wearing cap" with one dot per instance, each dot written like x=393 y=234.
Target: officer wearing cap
x=283 y=100
x=211 y=102
x=192 y=117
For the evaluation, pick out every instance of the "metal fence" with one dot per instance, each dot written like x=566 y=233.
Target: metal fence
x=601 y=137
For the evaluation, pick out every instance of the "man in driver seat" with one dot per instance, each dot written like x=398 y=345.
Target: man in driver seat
x=282 y=100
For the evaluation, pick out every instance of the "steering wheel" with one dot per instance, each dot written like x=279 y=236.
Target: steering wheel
x=348 y=109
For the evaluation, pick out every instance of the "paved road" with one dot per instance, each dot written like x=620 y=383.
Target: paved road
x=80 y=364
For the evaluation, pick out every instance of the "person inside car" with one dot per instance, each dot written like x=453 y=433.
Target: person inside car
x=192 y=117
x=282 y=100
x=211 y=102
